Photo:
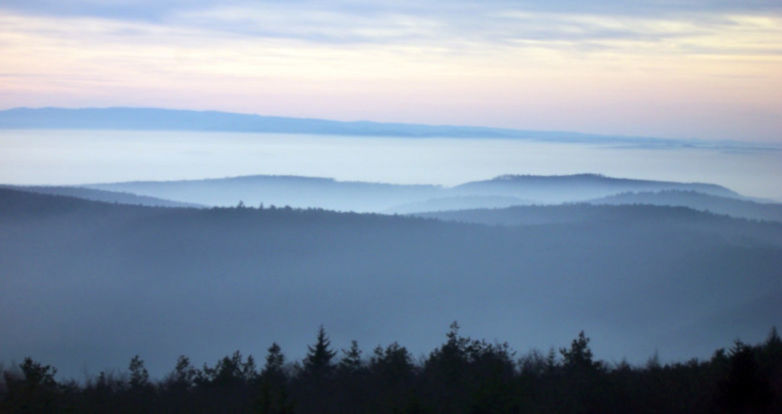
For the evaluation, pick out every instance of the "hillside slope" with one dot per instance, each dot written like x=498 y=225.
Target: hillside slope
x=578 y=187
x=101 y=195
x=328 y=193
x=88 y=284
x=705 y=202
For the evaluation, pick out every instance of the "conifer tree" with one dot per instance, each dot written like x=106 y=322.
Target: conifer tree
x=273 y=369
x=318 y=359
x=351 y=361
x=579 y=356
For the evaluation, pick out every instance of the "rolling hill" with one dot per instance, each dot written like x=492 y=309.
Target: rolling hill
x=102 y=195
x=577 y=187
x=731 y=206
x=87 y=284
x=280 y=190
x=331 y=194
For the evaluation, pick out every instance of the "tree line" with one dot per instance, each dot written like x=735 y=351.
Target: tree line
x=463 y=375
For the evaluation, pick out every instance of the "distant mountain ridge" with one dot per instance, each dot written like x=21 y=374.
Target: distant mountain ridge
x=358 y=196
x=577 y=187
x=165 y=119
x=499 y=192
x=280 y=190
x=134 y=118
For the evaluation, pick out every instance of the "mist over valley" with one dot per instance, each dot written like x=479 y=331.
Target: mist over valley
x=330 y=207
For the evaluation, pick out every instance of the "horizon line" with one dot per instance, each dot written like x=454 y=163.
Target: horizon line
x=502 y=132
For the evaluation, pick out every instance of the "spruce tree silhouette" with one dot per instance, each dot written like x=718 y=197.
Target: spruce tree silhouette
x=272 y=393
x=351 y=362
x=273 y=369
x=317 y=363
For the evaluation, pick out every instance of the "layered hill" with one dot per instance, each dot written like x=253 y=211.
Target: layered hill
x=280 y=190
x=94 y=283
x=731 y=206
x=101 y=195
x=578 y=187
x=572 y=213
x=331 y=194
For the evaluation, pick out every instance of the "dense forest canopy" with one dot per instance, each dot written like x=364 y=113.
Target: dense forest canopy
x=461 y=375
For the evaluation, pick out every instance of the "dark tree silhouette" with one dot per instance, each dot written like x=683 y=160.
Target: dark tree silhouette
x=139 y=377
x=393 y=363
x=272 y=392
x=351 y=361
x=34 y=391
x=275 y=360
x=579 y=356
x=318 y=363
x=183 y=376
x=745 y=389
x=462 y=375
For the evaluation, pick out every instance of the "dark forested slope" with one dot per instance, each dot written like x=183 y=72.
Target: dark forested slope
x=85 y=284
x=699 y=201
x=101 y=195
x=587 y=212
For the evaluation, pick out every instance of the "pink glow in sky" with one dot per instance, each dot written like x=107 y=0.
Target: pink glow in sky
x=686 y=72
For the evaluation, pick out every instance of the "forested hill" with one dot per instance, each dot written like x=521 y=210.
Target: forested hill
x=298 y=191
x=706 y=202
x=105 y=281
x=607 y=214
x=100 y=195
x=280 y=190
x=578 y=187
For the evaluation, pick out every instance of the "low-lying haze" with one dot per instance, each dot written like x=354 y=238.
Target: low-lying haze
x=88 y=156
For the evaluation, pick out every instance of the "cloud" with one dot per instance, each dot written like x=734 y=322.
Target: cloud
x=460 y=25
x=600 y=67
x=161 y=9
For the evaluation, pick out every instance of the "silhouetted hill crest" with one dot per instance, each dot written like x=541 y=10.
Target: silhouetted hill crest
x=117 y=280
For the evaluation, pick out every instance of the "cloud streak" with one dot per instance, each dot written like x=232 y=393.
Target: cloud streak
x=670 y=69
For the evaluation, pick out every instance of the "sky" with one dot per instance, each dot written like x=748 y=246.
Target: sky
x=673 y=69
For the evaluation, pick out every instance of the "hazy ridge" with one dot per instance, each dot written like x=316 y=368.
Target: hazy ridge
x=189 y=120
x=732 y=206
x=104 y=281
x=101 y=195
x=379 y=197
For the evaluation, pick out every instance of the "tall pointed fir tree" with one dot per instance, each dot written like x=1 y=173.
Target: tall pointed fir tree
x=318 y=363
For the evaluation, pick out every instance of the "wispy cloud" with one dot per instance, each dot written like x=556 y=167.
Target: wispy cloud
x=657 y=68
x=437 y=21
